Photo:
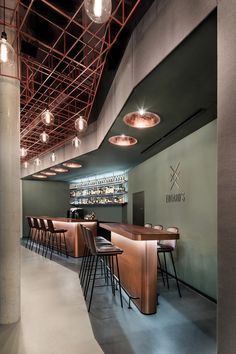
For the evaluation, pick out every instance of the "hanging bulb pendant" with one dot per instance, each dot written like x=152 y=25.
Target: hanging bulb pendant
x=7 y=53
x=47 y=117
x=76 y=142
x=44 y=137
x=37 y=162
x=53 y=157
x=23 y=152
x=81 y=124
x=98 y=11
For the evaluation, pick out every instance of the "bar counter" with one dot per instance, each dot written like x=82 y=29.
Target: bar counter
x=138 y=263
x=74 y=241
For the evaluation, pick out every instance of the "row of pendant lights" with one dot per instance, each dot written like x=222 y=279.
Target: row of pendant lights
x=48 y=119
x=140 y=119
x=99 y=11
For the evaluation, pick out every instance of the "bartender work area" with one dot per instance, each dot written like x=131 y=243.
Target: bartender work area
x=117 y=176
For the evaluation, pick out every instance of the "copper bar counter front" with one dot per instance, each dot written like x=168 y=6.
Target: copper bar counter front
x=138 y=263
x=74 y=241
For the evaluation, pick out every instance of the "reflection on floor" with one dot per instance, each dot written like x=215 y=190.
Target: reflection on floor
x=180 y=326
x=54 y=316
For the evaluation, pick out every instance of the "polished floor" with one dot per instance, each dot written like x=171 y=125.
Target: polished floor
x=54 y=318
x=180 y=326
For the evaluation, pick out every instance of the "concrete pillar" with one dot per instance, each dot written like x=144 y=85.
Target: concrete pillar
x=9 y=196
x=226 y=176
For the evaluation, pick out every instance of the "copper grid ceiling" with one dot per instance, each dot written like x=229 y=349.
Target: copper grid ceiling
x=66 y=73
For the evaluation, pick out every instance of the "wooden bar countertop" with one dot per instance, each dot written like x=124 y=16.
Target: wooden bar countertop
x=139 y=233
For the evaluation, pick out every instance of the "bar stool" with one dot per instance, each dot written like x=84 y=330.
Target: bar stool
x=53 y=237
x=148 y=225
x=86 y=254
x=159 y=227
x=108 y=252
x=36 y=238
x=168 y=246
x=31 y=231
x=44 y=234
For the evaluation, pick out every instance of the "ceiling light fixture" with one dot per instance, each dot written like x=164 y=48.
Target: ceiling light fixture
x=37 y=162
x=23 y=152
x=98 y=11
x=123 y=140
x=76 y=142
x=53 y=157
x=59 y=169
x=81 y=124
x=7 y=53
x=39 y=176
x=141 y=119
x=47 y=117
x=49 y=173
x=72 y=164
x=44 y=137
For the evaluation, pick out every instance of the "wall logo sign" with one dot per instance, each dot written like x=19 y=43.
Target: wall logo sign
x=176 y=193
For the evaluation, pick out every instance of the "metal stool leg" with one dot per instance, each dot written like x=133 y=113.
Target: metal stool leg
x=94 y=277
x=82 y=262
x=160 y=267
x=90 y=271
x=118 y=275
x=65 y=245
x=177 y=282
x=52 y=246
x=167 y=280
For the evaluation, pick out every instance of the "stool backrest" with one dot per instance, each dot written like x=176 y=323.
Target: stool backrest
x=148 y=225
x=171 y=243
x=50 y=225
x=43 y=224
x=158 y=227
x=91 y=241
x=30 y=222
x=36 y=223
x=83 y=233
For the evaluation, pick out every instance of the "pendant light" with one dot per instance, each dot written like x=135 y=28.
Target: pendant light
x=47 y=117
x=25 y=164
x=76 y=142
x=122 y=140
x=142 y=119
x=53 y=157
x=44 y=137
x=81 y=124
x=7 y=53
x=98 y=11
x=23 y=152
x=37 y=162
x=39 y=176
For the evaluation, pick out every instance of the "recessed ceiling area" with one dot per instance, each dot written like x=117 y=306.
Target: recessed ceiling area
x=181 y=90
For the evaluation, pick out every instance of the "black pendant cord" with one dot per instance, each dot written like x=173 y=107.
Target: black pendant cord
x=4 y=35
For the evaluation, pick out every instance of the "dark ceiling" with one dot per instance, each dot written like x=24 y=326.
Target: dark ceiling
x=181 y=89
x=67 y=63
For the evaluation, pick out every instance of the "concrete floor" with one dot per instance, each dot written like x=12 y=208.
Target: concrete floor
x=55 y=320
x=180 y=326
x=54 y=316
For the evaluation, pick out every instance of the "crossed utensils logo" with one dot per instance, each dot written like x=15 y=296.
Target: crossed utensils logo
x=174 y=176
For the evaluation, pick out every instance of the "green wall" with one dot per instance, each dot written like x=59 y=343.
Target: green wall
x=196 y=217
x=44 y=198
x=107 y=213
